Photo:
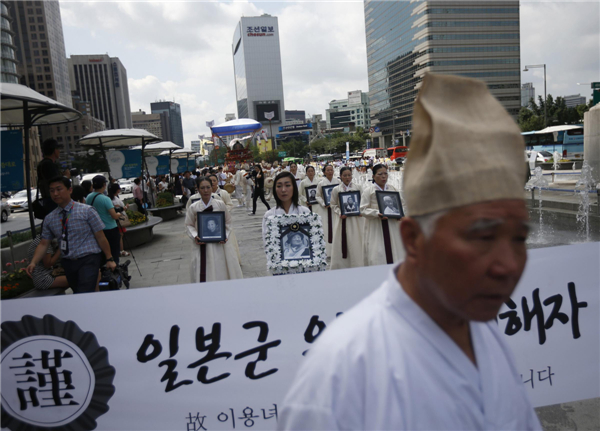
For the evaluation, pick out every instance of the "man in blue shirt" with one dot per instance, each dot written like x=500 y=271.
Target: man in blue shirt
x=79 y=230
x=107 y=213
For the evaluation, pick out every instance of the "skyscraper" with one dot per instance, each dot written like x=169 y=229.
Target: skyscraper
x=9 y=57
x=405 y=40
x=102 y=81
x=527 y=93
x=40 y=48
x=257 y=69
x=157 y=124
x=173 y=111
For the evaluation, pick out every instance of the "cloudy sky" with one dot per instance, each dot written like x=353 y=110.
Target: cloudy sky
x=181 y=50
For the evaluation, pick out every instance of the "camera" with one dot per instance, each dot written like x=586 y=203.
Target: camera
x=114 y=280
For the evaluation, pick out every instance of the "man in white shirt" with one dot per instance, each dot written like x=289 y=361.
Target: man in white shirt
x=423 y=352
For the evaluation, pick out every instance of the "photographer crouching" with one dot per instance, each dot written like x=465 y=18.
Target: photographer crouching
x=79 y=229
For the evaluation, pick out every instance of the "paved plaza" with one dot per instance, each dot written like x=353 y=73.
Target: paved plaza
x=166 y=259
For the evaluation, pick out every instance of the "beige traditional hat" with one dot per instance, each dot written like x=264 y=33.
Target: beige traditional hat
x=465 y=148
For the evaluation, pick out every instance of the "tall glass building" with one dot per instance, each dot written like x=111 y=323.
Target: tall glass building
x=40 y=48
x=257 y=68
x=407 y=39
x=173 y=111
x=9 y=59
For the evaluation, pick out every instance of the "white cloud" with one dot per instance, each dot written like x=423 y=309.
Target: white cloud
x=182 y=50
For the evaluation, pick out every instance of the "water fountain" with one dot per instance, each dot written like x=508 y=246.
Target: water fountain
x=537 y=181
x=556 y=160
x=584 y=185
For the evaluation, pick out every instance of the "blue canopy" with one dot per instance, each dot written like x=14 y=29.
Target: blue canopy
x=236 y=127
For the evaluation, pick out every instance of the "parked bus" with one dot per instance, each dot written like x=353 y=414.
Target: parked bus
x=376 y=153
x=567 y=140
x=398 y=153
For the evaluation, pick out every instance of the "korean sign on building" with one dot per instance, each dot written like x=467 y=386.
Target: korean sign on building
x=224 y=356
x=260 y=31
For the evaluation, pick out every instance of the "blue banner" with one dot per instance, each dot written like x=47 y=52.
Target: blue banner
x=125 y=163
x=12 y=173
x=163 y=165
x=192 y=164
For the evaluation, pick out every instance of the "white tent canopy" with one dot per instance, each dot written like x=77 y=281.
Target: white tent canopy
x=41 y=109
x=164 y=145
x=119 y=138
x=554 y=129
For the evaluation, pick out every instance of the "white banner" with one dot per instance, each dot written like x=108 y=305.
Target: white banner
x=222 y=355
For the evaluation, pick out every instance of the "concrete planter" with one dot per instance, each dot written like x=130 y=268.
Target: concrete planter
x=20 y=252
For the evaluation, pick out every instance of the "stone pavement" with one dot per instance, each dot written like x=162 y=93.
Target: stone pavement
x=166 y=259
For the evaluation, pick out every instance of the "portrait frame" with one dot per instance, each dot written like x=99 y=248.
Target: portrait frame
x=277 y=236
x=354 y=194
x=288 y=234
x=327 y=190
x=204 y=233
x=381 y=198
x=310 y=201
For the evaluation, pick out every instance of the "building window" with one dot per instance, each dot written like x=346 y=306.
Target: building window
x=30 y=11
x=37 y=61
x=32 y=28
x=43 y=36
x=43 y=44
x=38 y=69
x=31 y=20
x=46 y=68
x=41 y=28
x=48 y=77
x=34 y=36
x=34 y=44
x=57 y=129
x=40 y=77
x=42 y=93
x=50 y=93
x=59 y=138
x=40 y=19
x=46 y=61
x=38 y=11
x=48 y=85
x=44 y=52
x=36 y=52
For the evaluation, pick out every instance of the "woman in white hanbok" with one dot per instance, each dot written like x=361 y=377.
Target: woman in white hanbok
x=348 y=248
x=329 y=221
x=226 y=198
x=375 y=223
x=310 y=180
x=286 y=198
x=210 y=261
x=295 y=173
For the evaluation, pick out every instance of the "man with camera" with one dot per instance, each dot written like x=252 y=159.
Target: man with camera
x=79 y=229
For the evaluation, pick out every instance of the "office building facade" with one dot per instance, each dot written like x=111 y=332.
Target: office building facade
x=157 y=124
x=347 y=114
x=257 y=69
x=9 y=56
x=102 y=81
x=573 y=101
x=173 y=112
x=527 y=93
x=406 y=40
x=294 y=116
x=40 y=48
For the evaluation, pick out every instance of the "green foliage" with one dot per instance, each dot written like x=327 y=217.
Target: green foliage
x=87 y=163
x=532 y=117
x=20 y=237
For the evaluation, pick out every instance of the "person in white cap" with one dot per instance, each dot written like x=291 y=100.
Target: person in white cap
x=423 y=351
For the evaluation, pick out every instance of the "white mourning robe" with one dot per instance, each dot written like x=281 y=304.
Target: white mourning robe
x=306 y=182
x=322 y=211
x=238 y=181
x=226 y=198
x=221 y=260
x=373 y=236
x=354 y=233
x=386 y=365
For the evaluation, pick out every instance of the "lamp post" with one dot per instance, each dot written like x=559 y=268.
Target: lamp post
x=533 y=66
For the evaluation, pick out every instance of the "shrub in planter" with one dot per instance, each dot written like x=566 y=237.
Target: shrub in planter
x=136 y=217
x=164 y=199
x=15 y=281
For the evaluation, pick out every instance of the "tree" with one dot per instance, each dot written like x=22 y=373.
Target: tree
x=87 y=163
x=557 y=114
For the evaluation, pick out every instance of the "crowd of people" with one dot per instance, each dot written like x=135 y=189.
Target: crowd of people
x=354 y=240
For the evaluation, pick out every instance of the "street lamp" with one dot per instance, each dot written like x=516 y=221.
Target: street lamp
x=533 y=66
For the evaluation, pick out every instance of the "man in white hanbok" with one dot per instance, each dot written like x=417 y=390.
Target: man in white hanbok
x=423 y=352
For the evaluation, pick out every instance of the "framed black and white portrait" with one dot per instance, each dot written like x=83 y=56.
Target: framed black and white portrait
x=350 y=203
x=327 y=193
x=211 y=226
x=311 y=195
x=389 y=204
x=295 y=242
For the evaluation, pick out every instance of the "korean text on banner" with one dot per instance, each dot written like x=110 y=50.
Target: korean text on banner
x=225 y=355
x=124 y=163
x=11 y=157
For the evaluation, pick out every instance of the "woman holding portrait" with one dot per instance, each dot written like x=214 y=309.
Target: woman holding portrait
x=382 y=243
x=329 y=222
x=310 y=180
x=212 y=261
x=348 y=248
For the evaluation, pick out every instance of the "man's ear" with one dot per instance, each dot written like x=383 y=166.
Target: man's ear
x=412 y=237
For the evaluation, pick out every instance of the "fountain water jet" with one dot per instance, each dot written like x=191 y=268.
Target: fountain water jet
x=537 y=181
x=584 y=186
